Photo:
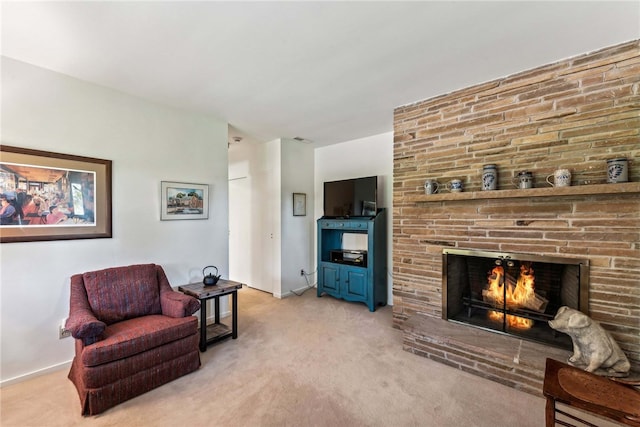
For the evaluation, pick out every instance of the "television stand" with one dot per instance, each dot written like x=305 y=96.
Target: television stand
x=359 y=276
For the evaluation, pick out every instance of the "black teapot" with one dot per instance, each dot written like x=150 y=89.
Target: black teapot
x=210 y=279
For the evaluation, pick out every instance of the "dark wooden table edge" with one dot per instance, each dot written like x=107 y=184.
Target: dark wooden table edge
x=555 y=393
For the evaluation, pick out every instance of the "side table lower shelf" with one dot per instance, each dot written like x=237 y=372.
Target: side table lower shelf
x=217 y=332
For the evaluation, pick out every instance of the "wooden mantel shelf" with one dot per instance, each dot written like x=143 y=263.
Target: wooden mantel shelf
x=578 y=190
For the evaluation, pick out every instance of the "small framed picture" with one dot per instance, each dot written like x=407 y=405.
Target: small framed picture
x=368 y=208
x=299 y=204
x=180 y=200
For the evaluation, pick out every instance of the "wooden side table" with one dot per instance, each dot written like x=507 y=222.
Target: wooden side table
x=216 y=331
x=589 y=392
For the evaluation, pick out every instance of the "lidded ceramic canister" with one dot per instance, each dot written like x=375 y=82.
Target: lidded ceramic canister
x=489 y=177
x=617 y=170
x=524 y=180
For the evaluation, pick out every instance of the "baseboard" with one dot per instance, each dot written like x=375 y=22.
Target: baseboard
x=291 y=293
x=34 y=374
x=223 y=314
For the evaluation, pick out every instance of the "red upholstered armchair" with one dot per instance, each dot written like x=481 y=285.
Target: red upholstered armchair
x=133 y=333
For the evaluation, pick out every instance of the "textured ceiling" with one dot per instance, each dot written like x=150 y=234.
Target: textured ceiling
x=324 y=71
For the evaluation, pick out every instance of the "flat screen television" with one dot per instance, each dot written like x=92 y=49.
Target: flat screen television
x=351 y=197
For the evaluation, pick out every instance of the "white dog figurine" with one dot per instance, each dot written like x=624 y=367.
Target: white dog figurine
x=593 y=347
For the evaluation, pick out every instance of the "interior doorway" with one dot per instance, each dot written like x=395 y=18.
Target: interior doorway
x=249 y=261
x=239 y=230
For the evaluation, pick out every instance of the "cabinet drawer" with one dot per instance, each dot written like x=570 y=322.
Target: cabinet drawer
x=334 y=224
x=358 y=225
x=352 y=225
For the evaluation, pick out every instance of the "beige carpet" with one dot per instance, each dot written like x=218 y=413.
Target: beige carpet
x=301 y=361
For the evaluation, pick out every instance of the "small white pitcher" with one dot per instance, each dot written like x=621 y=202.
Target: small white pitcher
x=561 y=178
x=431 y=186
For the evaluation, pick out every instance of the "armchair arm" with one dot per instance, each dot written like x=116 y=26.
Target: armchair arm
x=82 y=323
x=175 y=304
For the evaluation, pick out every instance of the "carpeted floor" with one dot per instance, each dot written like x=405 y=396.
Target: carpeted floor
x=300 y=361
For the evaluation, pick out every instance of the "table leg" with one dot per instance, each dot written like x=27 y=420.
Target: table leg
x=234 y=315
x=217 y=308
x=550 y=413
x=203 y=325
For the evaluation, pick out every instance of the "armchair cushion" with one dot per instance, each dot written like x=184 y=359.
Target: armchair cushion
x=121 y=293
x=133 y=336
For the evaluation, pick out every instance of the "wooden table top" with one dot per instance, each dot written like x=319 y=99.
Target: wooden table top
x=200 y=291
x=600 y=395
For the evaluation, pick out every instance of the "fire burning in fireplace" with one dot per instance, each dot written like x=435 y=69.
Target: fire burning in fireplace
x=513 y=296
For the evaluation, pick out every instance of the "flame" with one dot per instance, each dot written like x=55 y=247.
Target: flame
x=516 y=296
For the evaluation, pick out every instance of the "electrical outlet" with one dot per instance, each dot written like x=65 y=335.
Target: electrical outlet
x=302 y=272
x=62 y=332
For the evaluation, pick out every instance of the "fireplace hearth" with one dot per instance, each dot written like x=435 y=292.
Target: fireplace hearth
x=512 y=293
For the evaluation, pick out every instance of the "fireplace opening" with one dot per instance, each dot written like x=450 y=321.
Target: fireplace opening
x=512 y=293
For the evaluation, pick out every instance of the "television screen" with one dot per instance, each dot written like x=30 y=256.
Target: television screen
x=351 y=197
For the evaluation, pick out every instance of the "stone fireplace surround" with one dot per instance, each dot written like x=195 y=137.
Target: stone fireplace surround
x=576 y=113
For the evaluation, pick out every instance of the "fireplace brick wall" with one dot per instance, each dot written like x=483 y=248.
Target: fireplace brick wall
x=576 y=113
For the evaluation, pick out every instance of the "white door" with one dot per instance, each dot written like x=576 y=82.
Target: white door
x=240 y=262
x=248 y=263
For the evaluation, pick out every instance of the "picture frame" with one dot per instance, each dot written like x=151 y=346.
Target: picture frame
x=368 y=208
x=54 y=196
x=299 y=204
x=183 y=200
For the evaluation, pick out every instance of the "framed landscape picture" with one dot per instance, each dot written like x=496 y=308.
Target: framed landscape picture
x=181 y=200
x=299 y=204
x=53 y=196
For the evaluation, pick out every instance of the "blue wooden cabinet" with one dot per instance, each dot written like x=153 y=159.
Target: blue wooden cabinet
x=349 y=274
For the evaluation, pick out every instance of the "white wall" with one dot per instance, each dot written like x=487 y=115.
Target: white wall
x=359 y=158
x=270 y=216
x=297 y=231
x=147 y=143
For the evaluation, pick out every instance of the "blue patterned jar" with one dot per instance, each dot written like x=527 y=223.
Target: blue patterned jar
x=489 y=177
x=617 y=170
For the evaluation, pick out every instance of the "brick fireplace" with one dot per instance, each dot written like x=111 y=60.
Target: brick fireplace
x=574 y=114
